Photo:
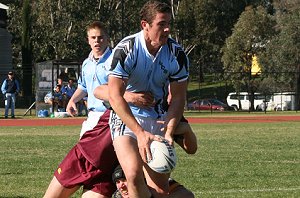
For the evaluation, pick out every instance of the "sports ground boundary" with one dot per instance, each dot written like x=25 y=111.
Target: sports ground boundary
x=193 y=120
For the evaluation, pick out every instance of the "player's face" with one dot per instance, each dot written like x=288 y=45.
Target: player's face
x=98 y=41
x=122 y=187
x=158 y=31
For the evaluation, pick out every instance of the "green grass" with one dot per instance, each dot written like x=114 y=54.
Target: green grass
x=233 y=160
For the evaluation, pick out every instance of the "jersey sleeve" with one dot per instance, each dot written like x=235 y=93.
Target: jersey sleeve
x=180 y=61
x=122 y=60
x=81 y=81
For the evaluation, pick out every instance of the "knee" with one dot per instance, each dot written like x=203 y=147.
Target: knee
x=135 y=177
x=192 y=150
x=189 y=194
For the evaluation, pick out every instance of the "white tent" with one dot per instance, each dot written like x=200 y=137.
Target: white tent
x=2 y=6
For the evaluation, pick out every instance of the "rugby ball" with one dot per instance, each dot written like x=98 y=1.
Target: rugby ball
x=163 y=156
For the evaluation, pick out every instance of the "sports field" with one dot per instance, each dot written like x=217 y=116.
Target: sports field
x=238 y=156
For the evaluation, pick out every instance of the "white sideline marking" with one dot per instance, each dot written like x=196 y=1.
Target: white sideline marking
x=249 y=190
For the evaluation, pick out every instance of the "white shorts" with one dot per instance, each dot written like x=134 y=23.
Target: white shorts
x=118 y=128
x=90 y=122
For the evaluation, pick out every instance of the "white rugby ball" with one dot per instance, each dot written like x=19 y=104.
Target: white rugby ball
x=163 y=156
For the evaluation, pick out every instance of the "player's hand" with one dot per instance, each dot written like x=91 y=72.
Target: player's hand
x=144 y=140
x=142 y=99
x=168 y=135
x=169 y=138
x=71 y=108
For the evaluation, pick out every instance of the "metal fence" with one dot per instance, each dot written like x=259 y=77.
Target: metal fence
x=256 y=92
x=211 y=85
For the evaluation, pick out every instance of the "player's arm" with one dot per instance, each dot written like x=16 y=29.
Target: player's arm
x=101 y=92
x=116 y=89
x=76 y=97
x=176 y=107
x=140 y=99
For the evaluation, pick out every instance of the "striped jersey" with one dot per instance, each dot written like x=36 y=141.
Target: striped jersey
x=131 y=60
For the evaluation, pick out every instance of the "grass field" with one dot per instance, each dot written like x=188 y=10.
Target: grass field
x=233 y=160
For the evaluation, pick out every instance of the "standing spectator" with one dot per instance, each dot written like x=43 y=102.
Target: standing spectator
x=148 y=61
x=67 y=92
x=10 y=88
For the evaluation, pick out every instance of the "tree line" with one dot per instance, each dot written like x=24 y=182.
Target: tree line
x=219 y=36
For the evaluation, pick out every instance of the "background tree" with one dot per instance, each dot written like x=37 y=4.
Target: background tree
x=26 y=49
x=282 y=57
x=251 y=34
x=60 y=28
x=213 y=23
x=58 y=31
x=15 y=28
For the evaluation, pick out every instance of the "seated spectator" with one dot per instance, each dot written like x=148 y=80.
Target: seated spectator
x=56 y=99
x=82 y=106
x=67 y=92
x=60 y=81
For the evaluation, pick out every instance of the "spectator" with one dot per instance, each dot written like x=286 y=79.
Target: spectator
x=67 y=92
x=56 y=100
x=10 y=89
x=63 y=75
x=82 y=106
x=60 y=81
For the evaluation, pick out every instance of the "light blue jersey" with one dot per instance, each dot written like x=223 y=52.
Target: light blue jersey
x=131 y=60
x=93 y=74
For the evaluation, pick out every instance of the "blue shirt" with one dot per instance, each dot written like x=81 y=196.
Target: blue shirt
x=69 y=91
x=93 y=74
x=130 y=59
x=10 y=86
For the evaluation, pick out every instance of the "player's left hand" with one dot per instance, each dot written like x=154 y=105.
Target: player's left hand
x=169 y=138
x=167 y=135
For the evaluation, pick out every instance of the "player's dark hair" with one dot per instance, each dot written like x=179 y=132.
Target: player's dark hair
x=151 y=8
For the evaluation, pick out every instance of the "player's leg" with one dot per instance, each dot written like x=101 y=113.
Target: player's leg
x=12 y=107
x=92 y=194
x=103 y=159
x=181 y=192
x=7 y=101
x=100 y=185
x=56 y=190
x=128 y=155
x=178 y=191
x=186 y=138
x=157 y=182
x=68 y=176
